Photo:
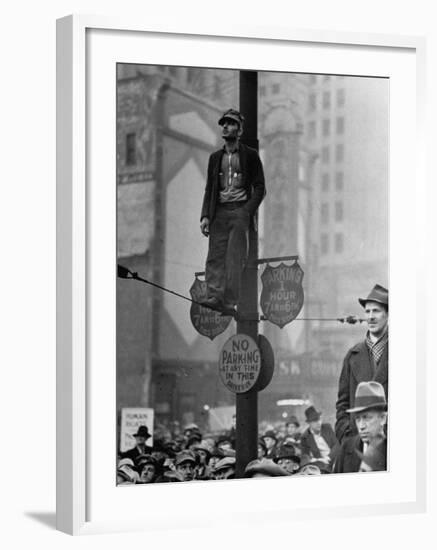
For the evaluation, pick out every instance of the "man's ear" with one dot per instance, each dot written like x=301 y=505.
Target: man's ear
x=240 y=131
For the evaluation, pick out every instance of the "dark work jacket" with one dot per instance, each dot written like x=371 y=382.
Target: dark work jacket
x=134 y=453
x=252 y=178
x=357 y=367
x=309 y=446
x=347 y=459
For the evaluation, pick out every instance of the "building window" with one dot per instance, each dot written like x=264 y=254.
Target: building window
x=326 y=100
x=312 y=129
x=313 y=78
x=131 y=149
x=325 y=154
x=262 y=91
x=339 y=152
x=338 y=211
x=191 y=75
x=324 y=213
x=276 y=88
x=325 y=181
x=340 y=97
x=312 y=102
x=324 y=243
x=340 y=125
x=326 y=77
x=339 y=244
x=173 y=71
x=326 y=127
x=339 y=181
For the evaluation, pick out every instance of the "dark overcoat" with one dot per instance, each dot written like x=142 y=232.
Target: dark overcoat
x=134 y=453
x=348 y=459
x=252 y=179
x=358 y=367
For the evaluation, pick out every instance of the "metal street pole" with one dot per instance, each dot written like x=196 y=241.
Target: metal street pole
x=247 y=403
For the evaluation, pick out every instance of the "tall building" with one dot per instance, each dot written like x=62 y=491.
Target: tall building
x=347 y=128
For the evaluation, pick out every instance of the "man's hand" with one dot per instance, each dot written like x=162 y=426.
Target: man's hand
x=204 y=226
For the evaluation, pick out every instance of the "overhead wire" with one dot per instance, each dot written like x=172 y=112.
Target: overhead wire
x=125 y=273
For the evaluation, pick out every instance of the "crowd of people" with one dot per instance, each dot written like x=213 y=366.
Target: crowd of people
x=357 y=443
x=189 y=454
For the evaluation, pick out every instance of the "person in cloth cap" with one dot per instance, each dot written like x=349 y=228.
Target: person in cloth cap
x=318 y=441
x=270 y=441
x=224 y=442
x=203 y=453
x=292 y=434
x=185 y=463
x=193 y=441
x=367 y=360
x=148 y=468
x=234 y=190
x=141 y=436
x=224 y=469
x=264 y=467
x=127 y=473
x=369 y=414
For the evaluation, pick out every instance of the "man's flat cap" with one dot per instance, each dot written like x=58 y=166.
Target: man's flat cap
x=232 y=114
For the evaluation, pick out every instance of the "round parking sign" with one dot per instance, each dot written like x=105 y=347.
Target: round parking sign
x=239 y=363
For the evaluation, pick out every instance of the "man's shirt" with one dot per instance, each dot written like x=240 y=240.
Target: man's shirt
x=377 y=348
x=231 y=186
x=321 y=445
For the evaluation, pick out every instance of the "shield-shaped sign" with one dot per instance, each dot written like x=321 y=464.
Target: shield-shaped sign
x=282 y=293
x=206 y=321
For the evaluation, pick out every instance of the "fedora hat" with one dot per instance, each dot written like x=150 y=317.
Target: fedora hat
x=264 y=466
x=232 y=114
x=142 y=431
x=377 y=294
x=312 y=414
x=287 y=451
x=369 y=395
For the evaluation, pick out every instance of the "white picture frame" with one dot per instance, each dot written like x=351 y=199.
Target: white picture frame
x=83 y=244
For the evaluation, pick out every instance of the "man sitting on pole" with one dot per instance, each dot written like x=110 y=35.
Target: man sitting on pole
x=234 y=190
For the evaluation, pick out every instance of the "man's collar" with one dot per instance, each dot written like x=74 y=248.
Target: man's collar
x=384 y=336
x=234 y=149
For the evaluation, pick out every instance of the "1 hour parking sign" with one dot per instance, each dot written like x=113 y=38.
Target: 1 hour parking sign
x=206 y=321
x=282 y=294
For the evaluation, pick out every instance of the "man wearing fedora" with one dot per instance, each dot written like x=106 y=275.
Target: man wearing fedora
x=140 y=448
x=369 y=415
x=367 y=360
x=318 y=441
x=234 y=190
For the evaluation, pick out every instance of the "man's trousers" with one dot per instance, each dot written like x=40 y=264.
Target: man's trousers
x=228 y=250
